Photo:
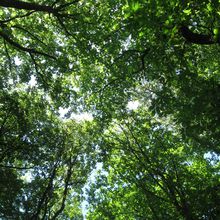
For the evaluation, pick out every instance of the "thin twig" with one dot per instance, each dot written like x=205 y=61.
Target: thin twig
x=63 y=25
x=18 y=16
x=32 y=35
x=36 y=69
x=61 y=7
x=17 y=168
x=8 y=55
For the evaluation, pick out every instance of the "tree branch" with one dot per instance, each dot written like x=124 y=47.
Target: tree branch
x=26 y=6
x=16 y=4
x=37 y=70
x=47 y=190
x=67 y=180
x=195 y=38
x=25 y=49
x=8 y=55
x=17 y=168
x=18 y=16
x=61 y=7
x=28 y=32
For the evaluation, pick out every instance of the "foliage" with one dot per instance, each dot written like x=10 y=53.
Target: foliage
x=153 y=173
x=159 y=160
x=41 y=158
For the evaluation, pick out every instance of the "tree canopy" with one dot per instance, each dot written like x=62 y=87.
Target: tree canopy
x=148 y=75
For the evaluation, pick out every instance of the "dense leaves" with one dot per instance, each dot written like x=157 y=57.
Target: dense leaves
x=150 y=168
x=148 y=73
x=41 y=158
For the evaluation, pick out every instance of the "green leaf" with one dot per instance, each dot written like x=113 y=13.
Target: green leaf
x=187 y=11
x=135 y=6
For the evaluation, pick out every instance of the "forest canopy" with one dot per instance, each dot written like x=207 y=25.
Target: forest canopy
x=147 y=76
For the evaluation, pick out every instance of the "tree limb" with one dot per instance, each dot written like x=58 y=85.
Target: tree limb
x=17 y=168
x=16 y=4
x=25 y=49
x=28 y=32
x=67 y=180
x=26 y=6
x=18 y=16
x=8 y=55
x=45 y=195
x=195 y=38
